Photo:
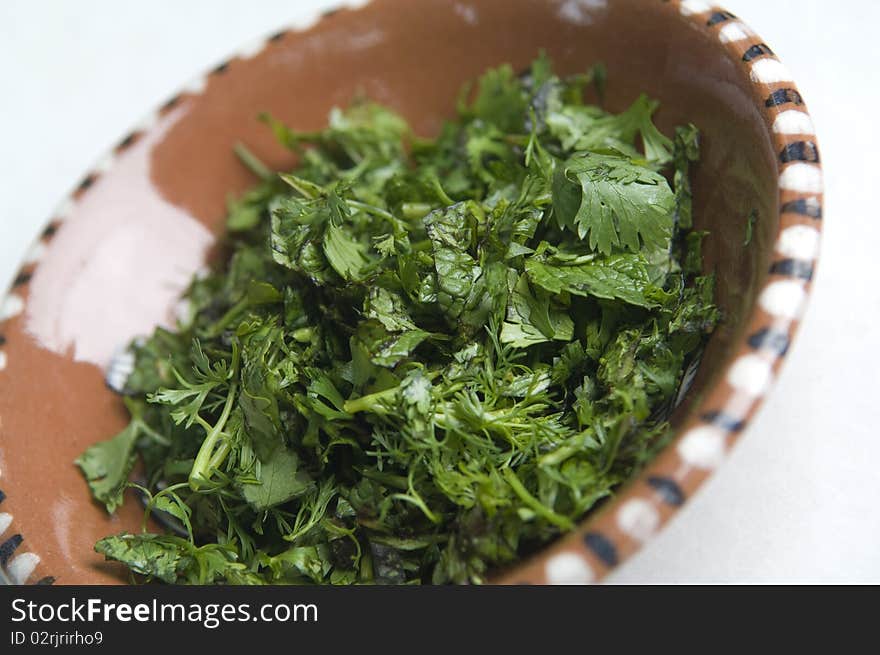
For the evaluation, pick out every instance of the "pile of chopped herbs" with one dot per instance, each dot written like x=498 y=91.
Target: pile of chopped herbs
x=424 y=358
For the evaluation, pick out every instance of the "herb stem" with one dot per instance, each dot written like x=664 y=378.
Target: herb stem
x=441 y=193
x=205 y=461
x=388 y=479
x=534 y=504
x=252 y=162
x=372 y=209
x=371 y=402
x=415 y=210
x=227 y=318
x=415 y=499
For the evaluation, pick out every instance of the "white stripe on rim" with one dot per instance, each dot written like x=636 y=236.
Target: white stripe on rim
x=148 y=122
x=703 y=447
x=769 y=71
x=733 y=32
x=64 y=209
x=5 y=522
x=22 y=567
x=12 y=306
x=638 y=519
x=751 y=374
x=793 y=121
x=105 y=163
x=568 y=568
x=785 y=298
x=252 y=49
x=802 y=178
x=692 y=7
x=35 y=253
x=799 y=242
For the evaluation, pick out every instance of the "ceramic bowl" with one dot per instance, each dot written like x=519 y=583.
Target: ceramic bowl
x=117 y=253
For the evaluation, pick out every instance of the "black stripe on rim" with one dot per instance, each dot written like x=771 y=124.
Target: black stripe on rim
x=602 y=547
x=784 y=97
x=805 y=207
x=757 y=51
x=127 y=141
x=22 y=278
x=800 y=151
x=719 y=17
x=87 y=181
x=668 y=490
x=724 y=421
x=8 y=547
x=170 y=104
x=793 y=268
x=775 y=341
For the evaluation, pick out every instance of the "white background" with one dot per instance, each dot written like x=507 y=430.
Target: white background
x=797 y=500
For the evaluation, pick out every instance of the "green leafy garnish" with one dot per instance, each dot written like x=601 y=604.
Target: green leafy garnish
x=614 y=202
x=424 y=358
x=107 y=464
x=750 y=226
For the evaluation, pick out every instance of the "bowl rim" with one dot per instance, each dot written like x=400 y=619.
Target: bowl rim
x=607 y=537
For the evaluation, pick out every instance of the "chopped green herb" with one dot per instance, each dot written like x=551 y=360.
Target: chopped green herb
x=424 y=358
x=750 y=226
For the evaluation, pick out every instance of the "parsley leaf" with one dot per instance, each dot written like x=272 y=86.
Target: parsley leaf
x=107 y=464
x=614 y=203
x=277 y=480
x=615 y=277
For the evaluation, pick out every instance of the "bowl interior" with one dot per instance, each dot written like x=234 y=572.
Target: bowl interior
x=126 y=247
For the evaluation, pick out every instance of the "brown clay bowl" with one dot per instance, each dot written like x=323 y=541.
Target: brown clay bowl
x=120 y=249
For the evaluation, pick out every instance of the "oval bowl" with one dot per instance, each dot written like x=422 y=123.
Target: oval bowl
x=121 y=248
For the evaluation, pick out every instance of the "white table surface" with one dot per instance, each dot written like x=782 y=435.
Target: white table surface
x=797 y=501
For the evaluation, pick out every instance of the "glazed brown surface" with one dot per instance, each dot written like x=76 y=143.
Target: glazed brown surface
x=116 y=265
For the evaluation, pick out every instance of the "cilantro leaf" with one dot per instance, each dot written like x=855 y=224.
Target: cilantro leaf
x=531 y=319
x=500 y=100
x=344 y=254
x=615 y=277
x=278 y=480
x=171 y=559
x=614 y=203
x=451 y=232
x=580 y=127
x=687 y=151
x=149 y=555
x=106 y=464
